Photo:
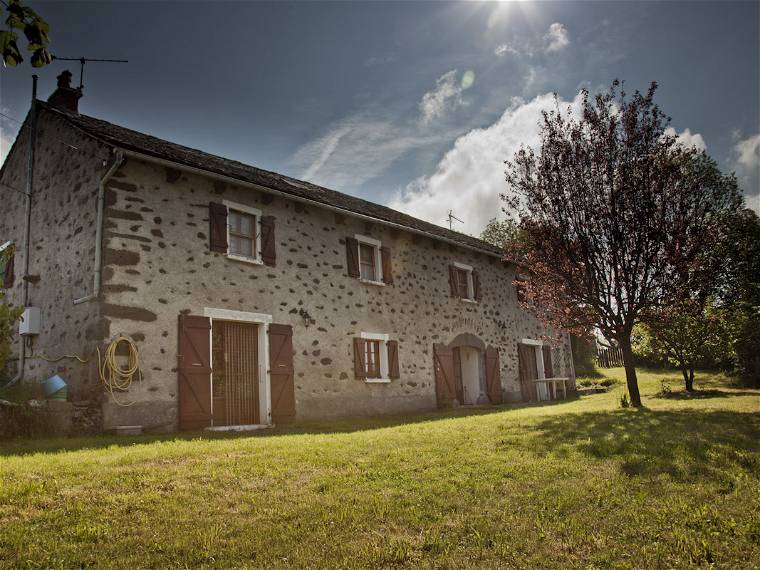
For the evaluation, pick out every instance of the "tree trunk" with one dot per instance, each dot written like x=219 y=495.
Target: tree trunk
x=690 y=379
x=630 y=372
x=685 y=372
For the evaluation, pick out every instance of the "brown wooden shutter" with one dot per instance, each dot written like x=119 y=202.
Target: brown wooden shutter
x=385 y=254
x=393 y=368
x=8 y=272
x=268 y=246
x=360 y=369
x=476 y=285
x=217 y=219
x=282 y=384
x=352 y=257
x=443 y=367
x=493 y=375
x=453 y=281
x=526 y=358
x=548 y=366
x=194 y=371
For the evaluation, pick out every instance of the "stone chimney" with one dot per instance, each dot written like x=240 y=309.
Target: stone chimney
x=65 y=97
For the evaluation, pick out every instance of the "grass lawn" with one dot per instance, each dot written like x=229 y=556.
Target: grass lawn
x=581 y=483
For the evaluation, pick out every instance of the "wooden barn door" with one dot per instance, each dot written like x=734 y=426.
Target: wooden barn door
x=235 y=385
x=281 y=373
x=194 y=371
x=526 y=356
x=445 y=383
x=493 y=375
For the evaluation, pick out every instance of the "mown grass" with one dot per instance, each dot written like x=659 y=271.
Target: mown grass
x=580 y=484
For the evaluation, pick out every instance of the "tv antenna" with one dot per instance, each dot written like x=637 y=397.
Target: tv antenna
x=451 y=218
x=83 y=60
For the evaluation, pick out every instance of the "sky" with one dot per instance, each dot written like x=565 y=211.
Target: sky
x=415 y=105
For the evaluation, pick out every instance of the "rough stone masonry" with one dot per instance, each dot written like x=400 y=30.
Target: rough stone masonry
x=157 y=264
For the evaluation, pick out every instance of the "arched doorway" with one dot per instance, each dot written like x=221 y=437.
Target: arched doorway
x=466 y=372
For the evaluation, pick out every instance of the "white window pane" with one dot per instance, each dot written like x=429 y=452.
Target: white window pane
x=246 y=225
x=246 y=247
x=235 y=245
x=234 y=222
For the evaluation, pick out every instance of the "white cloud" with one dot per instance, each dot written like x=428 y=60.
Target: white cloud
x=557 y=37
x=8 y=132
x=322 y=149
x=687 y=138
x=470 y=177
x=746 y=162
x=748 y=153
x=5 y=145
x=357 y=149
x=446 y=96
x=504 y=49
x=361 y=146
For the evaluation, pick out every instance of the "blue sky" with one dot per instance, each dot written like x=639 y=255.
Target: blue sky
x=415 y=105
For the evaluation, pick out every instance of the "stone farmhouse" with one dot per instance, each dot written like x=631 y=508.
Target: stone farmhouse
x=252 y=297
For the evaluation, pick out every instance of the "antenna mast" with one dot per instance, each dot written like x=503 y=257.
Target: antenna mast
x=83 y=60
x=451 y=218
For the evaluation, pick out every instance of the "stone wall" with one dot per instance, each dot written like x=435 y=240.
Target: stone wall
x=68 y=169
x=158 y=265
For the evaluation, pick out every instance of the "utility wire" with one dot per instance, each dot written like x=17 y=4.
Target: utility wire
x=23 y=126
x=3 y=185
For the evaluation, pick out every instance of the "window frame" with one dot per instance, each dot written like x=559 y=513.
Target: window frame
x=376 y=245
x=256 y=213
x=383 y=339
x=518 y=292
x=470 y=298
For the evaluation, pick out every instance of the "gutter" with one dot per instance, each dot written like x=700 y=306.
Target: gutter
x=238 y=182
x=119 y=160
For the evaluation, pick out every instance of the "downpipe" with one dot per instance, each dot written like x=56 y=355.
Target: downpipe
x=118 y=161
x=27 y=225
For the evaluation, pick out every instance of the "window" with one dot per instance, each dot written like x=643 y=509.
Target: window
x=520 y=284
x=464 y=282
x=375 y=358
x=372 y=359
x=244 y=230
x=367 y=262
x=242 y=234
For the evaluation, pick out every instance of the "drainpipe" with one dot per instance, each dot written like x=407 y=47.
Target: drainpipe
x=27 y=223
x=99 y=229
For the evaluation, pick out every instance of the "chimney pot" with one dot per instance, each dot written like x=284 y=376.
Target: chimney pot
x=65 y=97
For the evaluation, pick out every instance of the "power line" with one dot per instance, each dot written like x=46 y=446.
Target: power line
x=3 y=185
x=23 y=126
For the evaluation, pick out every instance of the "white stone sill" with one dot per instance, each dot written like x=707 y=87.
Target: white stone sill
x=370 y=282
x=377 y=381
x=251 y=260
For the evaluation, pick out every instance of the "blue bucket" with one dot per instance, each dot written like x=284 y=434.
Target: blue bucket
x=54 y=388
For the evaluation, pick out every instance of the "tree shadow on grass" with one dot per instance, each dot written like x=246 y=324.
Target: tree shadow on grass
x=684 y=444
x=700 y=394
x=31 y=445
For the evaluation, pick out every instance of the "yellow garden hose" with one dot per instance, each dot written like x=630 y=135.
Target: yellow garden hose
x=114 y=377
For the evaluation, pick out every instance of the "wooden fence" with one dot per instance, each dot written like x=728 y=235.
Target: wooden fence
x=609 y=357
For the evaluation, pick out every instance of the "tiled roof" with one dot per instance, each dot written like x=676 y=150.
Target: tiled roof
x=146 y=144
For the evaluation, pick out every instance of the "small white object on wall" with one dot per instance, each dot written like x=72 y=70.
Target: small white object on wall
x=30 y=321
